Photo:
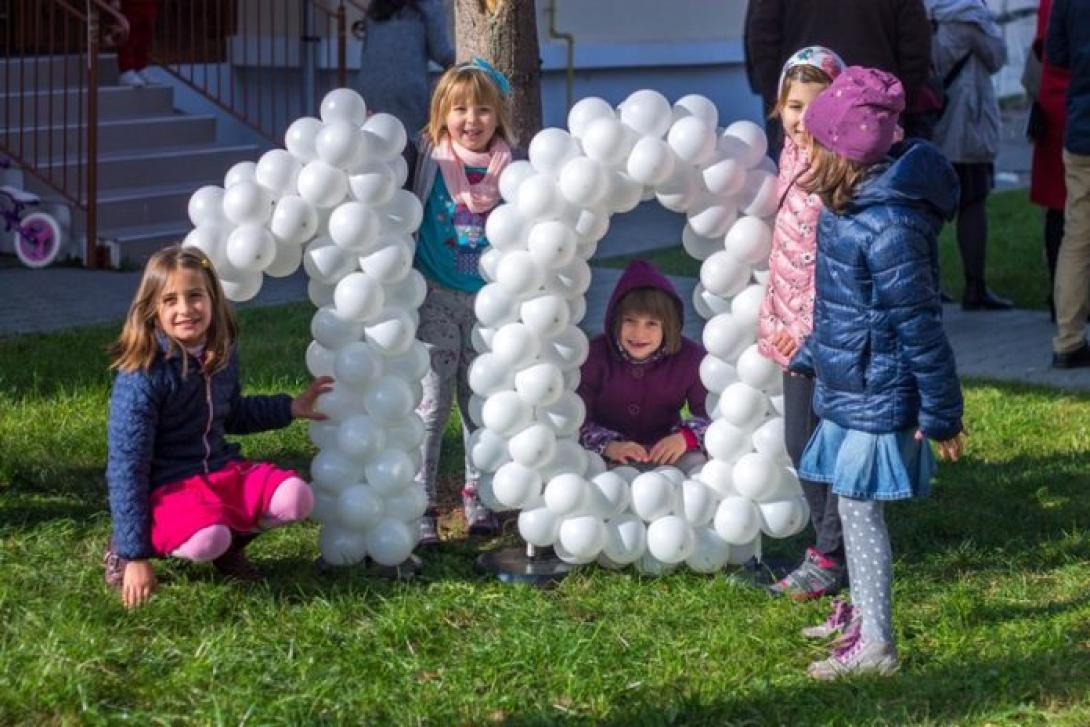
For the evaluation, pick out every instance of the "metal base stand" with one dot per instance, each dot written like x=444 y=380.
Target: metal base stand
x=532 y=566
x=404 y=571
x=761 y=572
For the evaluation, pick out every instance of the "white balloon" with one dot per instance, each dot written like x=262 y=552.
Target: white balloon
x=607 y=141
x=390 y=261
x=724 y=275
x=390 y=132
x=539 y=526
x=697 y=502
x=725 y=337
x=737 y=520
x=758 y=477
x=506 y=413
x=539 y=198
x=294 y=220
x=250 y=248
x=626 y=539
x=699 y=247
x=759 y=196
x=540 y=384
x=206 y=206
x=358 y=297
x=567 y=494
x=319 y=359
x=571 y=280
x=583 y=536
x=512 y=177
x=343 y=104
x=360 y=437
x=487 y=450
x=624 y=193
x=712 y=216
x=716 y=374
x=646 y=111
x=742 y=405
x=609 y=495
x=726 y=175
x=784 y=518
x=357 y=365
x=758 y=371
x=777 y=403
x=211 y=239
x=242 y=288
x=407 y=506
x=546 y=315
x=487 y=375
x=391 y=331
x=402 y=213
x=515 y=345
x=651 y=161
x=680 y=191
x=506 y=228
x=725 y=441
x=569 y=349
x=750 y=240
x=670 y=539
x=519 y=274
x=320 y=294
x=321 y=184
x=565 y=415
x=338 y=143
x=551 y=244
x=390 y=542
x=407 y=433
x=746 y=306
x=331 y=330
x=710 y=551
x=699 y=106
x=390 y=398
x=409 y=293
x=240 y=172
x=390 y=471
x=247 y=203
x=769 y=438
x=692 y=140
x=358 y=508
x=533 y=446
x=354 y=227
x=586 y=110
x=341 y=547
x=333 y=471
x=299 y=138
x=516 y=486
x=372 y=183
x=277 y=171
x=752 y=142
x=653 y=496
x=709 y=302
x=550 y=149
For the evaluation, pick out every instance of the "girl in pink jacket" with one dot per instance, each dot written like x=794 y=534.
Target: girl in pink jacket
x=787 y=313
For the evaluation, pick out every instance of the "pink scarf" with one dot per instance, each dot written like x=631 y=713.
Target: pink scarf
x=453 y=158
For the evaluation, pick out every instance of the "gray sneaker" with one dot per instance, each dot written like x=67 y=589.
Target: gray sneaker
x=839 y=621
x=859 y=657
x=429 y=532
x=479 y=519
x=816 y=576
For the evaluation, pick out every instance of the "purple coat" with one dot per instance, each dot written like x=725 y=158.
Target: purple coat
x=640 y=401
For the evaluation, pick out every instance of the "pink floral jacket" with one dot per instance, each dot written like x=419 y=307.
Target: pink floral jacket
x=788 y=304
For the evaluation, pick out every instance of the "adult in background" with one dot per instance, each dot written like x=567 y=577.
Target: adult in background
x=1067 y=45
x=968 y=48
x=399 y=37
x=893 y=35
x=1046 y=130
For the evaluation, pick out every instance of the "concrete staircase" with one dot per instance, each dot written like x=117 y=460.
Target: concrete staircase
x=151 y=157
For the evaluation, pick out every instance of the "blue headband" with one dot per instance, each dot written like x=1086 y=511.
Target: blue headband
x=479 y=64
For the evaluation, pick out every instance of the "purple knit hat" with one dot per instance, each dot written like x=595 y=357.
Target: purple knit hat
x=856 y=116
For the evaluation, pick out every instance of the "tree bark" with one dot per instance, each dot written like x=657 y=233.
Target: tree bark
x=504 y=33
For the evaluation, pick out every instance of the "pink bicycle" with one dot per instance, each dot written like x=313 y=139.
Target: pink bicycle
x=37 y=236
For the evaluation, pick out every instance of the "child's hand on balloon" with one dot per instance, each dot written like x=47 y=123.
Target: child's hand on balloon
x=669 y=449
x=302 y=406
x=625 y=452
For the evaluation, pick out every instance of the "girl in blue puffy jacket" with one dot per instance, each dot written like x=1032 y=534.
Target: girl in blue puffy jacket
x=886 y=379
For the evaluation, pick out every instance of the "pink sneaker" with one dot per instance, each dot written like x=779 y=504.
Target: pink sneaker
x=857 y=657
x=840 y=621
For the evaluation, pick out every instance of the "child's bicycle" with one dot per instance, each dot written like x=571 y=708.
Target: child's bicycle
x=37 y=238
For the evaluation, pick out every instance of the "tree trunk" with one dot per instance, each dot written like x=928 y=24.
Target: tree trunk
x=504 y=33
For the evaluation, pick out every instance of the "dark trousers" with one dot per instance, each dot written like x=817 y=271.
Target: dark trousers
x=1054 y=235
x=799 y=425
x=972 y=226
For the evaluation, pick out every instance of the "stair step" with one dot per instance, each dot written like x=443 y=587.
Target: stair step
x=45 y=108
x=139 y=242
x=60 y=70
x=157 y=167
x=121 y=134
x=148 y=205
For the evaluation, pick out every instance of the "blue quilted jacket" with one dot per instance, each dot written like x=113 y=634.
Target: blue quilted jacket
x=164 y=427
x=878 y=348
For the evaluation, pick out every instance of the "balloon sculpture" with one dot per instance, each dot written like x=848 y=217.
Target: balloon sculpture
x=557 y=207
x=332 y=201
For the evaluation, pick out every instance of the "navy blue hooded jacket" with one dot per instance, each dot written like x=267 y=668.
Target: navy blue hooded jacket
x=1067 y=45
x=164 y=427
x=878 y=348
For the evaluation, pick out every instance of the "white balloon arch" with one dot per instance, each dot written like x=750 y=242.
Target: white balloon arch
x=333 y=202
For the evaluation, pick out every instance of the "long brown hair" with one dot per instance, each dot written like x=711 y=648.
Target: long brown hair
x=803 y=73
x=832 y=177
x=653 y=303
x=137 y=346
x=468 y=84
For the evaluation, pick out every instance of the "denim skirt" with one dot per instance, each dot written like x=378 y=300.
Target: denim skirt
x=868 y=466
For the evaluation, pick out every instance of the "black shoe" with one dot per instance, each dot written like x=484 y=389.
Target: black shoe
x=1079 y=358
x=984 y=300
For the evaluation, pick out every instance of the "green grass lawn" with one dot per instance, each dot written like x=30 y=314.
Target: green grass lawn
x=1016 y=265
x=992 y=595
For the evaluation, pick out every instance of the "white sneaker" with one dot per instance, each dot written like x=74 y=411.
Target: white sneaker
x=132 y=79
x=145 y=74
x=861 y=657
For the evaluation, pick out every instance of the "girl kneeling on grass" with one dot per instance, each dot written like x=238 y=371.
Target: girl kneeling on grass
x=639 y=374
x=176 y=486
x=886 y=379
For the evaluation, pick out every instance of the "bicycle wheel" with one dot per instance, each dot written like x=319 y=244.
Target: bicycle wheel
x=39 y=240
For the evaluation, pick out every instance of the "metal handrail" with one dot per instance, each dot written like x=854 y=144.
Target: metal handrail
x=41 y=31
x=255 y=46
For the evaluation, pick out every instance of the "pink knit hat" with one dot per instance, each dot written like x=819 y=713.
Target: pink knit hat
x=856 y=116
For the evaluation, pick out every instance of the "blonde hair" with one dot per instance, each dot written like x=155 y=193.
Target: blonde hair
x=472 y=85
x=136 y=348
x=803 y=73
x=832 y=177
x=653 y=303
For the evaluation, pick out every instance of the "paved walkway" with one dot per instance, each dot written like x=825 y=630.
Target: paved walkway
x=1007 y=346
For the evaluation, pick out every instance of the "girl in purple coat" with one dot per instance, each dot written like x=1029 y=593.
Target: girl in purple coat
x=640 y=373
